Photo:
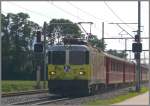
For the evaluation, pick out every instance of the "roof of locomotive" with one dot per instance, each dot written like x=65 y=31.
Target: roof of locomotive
x=76 y=47
x=68 y=47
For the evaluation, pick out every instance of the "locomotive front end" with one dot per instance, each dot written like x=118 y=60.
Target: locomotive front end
x=68 y=69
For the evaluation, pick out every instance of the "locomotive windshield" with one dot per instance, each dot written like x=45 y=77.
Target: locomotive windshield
x=78 y=57
x=75 y=57
x=57 y=57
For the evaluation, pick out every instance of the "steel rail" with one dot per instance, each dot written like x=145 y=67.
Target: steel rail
x=24 y=92
x=52 y=101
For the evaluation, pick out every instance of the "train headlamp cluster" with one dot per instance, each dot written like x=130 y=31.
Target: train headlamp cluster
x=52 y=72
x=81 y=73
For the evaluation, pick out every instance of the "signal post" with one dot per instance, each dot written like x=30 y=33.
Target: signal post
x=137 y=49
x=38 y=49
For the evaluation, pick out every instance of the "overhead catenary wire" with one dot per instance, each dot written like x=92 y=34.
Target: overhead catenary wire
x=67 y=12
x=85 y=12
x=115 y=14
x=125 y=31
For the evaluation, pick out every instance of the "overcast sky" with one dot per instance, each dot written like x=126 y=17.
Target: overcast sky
x=88 y=11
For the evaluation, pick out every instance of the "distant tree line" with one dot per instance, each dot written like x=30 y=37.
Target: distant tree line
x=18 y=37
x=17 y=41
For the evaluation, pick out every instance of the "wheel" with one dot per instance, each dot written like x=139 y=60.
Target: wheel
x=92 y=90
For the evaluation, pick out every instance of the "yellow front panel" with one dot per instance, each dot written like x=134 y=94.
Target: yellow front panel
x=58 y=72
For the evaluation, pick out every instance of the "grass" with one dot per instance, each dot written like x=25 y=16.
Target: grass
x=18 y=85
x=116 y=99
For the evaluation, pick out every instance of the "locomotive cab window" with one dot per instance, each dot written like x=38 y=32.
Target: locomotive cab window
x=56 y=57
x=79 y=57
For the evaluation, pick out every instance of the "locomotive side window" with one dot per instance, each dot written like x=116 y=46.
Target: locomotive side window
x=78 y=57
x=58 y=57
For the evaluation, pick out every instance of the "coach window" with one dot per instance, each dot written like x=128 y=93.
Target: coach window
x=130 y=68
x=115 y=66
x=121 y=67
x=111 y=66
x=127 y=68
x=118 y=66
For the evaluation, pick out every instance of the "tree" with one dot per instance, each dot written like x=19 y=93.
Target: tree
x=95 y=42
x=121 y=54
x=59 y=28
x=17 y=42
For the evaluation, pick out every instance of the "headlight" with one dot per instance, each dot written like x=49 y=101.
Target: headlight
x=53 y=73
x=81 y=72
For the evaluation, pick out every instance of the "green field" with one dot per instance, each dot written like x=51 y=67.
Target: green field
x=19 y=85
x=116 y=99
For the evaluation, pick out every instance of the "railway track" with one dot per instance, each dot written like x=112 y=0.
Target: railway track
x=31 y=101
x=46 y=99
x=24 y=93
x=52 y=101
x=37 y=101
x=42 y=101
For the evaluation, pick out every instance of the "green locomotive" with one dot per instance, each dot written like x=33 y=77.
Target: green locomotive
x=78 y=69
x=68 y=69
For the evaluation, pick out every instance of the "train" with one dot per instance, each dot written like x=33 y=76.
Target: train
x=78 y=68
